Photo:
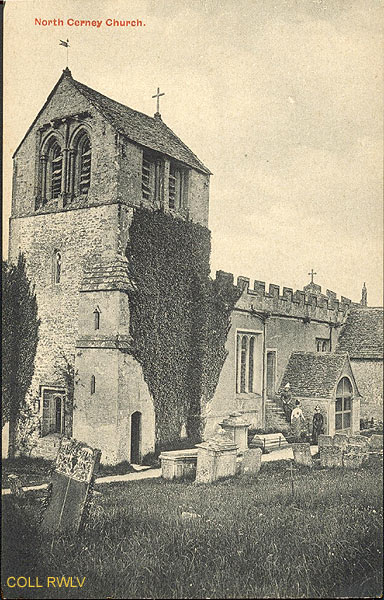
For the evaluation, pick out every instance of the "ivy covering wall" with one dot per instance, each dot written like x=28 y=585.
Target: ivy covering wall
x=179 y=319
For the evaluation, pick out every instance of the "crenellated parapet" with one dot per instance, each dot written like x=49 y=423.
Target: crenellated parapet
x=301 y=304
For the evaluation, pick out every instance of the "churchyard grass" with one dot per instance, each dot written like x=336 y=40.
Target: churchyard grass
x=251 y=538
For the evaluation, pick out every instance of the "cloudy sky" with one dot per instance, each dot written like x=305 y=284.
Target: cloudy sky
x=281 y=99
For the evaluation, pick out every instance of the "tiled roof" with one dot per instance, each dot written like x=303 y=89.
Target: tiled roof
x=147 y=131
x=107 y=273
x=313 y=374
x=362 y=334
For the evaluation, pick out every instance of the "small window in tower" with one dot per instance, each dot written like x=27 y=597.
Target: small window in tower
x=93 y=384
x=57 y=267
x=96 y=315
x=56 y=170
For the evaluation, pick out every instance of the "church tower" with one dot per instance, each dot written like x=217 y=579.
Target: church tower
x=84 y=165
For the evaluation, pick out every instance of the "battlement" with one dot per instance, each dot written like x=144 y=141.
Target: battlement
x=301 y=303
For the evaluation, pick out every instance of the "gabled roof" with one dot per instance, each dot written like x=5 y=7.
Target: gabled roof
x=147 y=131
x=314 y=374
x=362 y=334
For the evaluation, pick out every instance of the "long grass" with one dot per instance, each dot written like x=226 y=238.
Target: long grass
x=241 y=538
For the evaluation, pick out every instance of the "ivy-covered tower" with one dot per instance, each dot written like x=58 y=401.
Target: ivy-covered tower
x=83 y=167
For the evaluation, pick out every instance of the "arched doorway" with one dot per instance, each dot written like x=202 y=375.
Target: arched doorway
x=136 y=438
x=343 y=406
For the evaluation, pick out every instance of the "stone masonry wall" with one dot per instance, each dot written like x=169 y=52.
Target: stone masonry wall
x=78 y=235
x=369 y=379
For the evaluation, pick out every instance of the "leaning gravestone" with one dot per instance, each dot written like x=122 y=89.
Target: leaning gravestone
x=70 y=485
x=251 y=463
x=302 y=454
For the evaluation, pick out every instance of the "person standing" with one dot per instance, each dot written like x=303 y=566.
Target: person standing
x=297 y=421
x=286 y=397
x=317 y=425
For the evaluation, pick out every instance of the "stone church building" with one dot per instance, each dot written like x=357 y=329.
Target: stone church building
x=82 y=167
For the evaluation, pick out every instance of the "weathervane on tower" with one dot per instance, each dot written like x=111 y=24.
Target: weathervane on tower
x=65 y=43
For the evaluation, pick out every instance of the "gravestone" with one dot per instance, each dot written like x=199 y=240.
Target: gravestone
x=340 y=440
x=70 y=484
x=360 y=440
x=179 y=464
x=251 y=463
x=15 y=485
x=376 y=442
x=353 y=456
x=331 y=456
x=216 y=458
x=324 y=441
x=302 y=454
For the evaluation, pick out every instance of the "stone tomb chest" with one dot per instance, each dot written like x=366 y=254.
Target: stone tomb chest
x=71 y=480
x=217 y=458
x=179 y=464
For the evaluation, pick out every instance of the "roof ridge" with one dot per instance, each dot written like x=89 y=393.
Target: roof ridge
x=116 y=101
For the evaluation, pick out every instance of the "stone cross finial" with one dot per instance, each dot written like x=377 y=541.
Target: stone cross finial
x=312 y=273
x=158 y=100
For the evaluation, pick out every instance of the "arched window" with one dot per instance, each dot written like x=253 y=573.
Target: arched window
x=93 y=384
x=248 y=375
x=82 y=171
x=56 y=266
x=343 y=406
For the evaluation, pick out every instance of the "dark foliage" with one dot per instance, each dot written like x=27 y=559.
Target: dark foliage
x=179 y=318
x=20 y=325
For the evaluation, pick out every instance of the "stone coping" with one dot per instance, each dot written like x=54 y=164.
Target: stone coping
x=174 y=454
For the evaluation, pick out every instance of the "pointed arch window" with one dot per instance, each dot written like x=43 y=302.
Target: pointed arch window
x=248 y=363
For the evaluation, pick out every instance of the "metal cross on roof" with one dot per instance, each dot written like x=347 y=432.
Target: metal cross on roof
x=158 y=98
x=312 y=273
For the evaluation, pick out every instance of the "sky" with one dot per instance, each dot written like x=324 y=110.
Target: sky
x=281 y=99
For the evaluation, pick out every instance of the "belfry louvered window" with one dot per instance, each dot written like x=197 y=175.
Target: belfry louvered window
x=84 y=155
x=56 y=165
x=146 y=178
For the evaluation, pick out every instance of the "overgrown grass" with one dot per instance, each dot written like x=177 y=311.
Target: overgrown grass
x=252 y=539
